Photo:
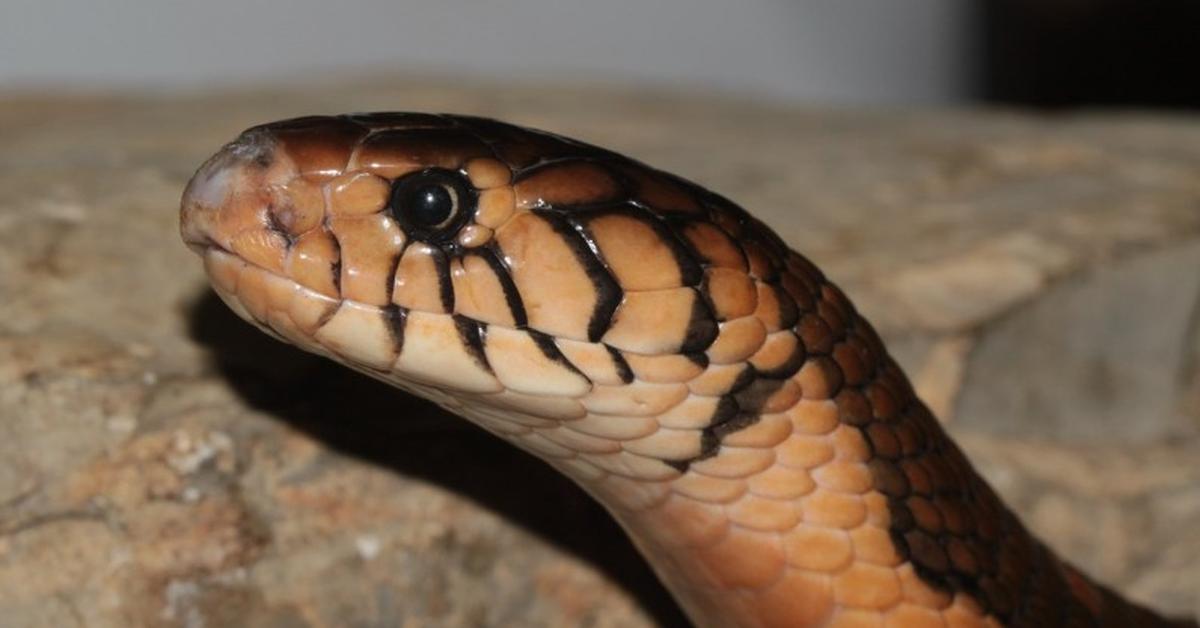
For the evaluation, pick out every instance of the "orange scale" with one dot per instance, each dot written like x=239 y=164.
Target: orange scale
x=311 y=262
x=764 y=515
x=394 y=153
x=802 y=451
x=479 y=291
x=660 y=192
x=781 y=482
x=694 y=412
x=709 y=489
x=818 y=549
x=566 y=183
x=731 y=292
x=745 y=559
x=309 y=309
x=553 y=281
x=597 y=362
x=653 y=322
x=768 y=431
x=522 y=365
x=357 y=193
x=799 y=598
x=663 y=369
x=361 y=334
x=369 y=248
x=636 y=399
x=735 y=462
x=838 y=510
x=684 y=521
x=819 y=378
x=737 y=340
x=635 y=252
x=775 y=309
x=319 y=147
x=714 y=246
x=843 y=477
x=298 y=206
x=418 y=284
x=631 y=465
x=814 y=418
x=717 y=379
x=867 y=586
x=223 y=270
x=261 y=247
x=873 y=544
x=494 y=207
x=486 y=173
x=666 y=444
x=781 y=355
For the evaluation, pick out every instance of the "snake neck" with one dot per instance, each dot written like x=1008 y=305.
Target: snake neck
x=830 y=497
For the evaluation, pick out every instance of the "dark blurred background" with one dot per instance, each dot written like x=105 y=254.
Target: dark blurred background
x=1052 y=53
x=1062 y=53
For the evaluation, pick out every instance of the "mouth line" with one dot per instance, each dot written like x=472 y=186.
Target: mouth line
x=201 y=247
x=209 y=246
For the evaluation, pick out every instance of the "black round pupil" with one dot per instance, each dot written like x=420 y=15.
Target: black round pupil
x=431 y=205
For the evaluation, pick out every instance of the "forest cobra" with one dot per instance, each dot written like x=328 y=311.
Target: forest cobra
x=647 y=338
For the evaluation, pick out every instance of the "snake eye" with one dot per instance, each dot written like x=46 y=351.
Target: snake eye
x=432 y=204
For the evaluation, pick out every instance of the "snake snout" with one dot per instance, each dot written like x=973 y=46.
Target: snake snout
x=226 y=195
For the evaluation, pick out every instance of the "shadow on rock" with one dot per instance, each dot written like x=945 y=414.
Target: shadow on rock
x=377 y=423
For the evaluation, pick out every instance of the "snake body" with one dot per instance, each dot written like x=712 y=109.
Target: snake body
x=646 y=337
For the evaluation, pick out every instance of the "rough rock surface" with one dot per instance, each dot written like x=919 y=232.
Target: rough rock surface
x=162 y=464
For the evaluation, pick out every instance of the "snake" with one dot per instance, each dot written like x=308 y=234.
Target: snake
x=646 y=337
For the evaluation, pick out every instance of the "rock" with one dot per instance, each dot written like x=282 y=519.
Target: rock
x=1102 y=356
x=163 y=464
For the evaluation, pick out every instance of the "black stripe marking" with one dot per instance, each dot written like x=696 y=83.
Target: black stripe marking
x=472 y=333
x=699 y=359
x=396 y=317
x=608 y=291
x=744 y=379
x=789 y=312
x=740 y=421
x=512 y=297
x=702 y=327
x=726 y=411
x=391 y=278
x=790 y=366
x=545 y=342
x=678 y=223
x=336 y=267
x=622 y=366
x=441 y=264
x=274 y=226
x=690 y=273
x=753 y=397
x=735 y=411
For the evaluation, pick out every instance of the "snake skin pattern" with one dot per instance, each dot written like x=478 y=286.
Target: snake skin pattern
x=651 y=340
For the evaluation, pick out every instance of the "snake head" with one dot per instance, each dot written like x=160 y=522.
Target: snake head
x=329 y=231
x=500 y=271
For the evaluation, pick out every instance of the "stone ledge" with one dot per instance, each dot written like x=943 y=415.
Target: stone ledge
x=162 y=462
